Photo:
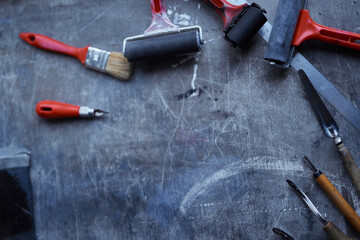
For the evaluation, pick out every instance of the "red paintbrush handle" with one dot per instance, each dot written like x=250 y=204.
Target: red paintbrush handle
x=226 y=10
x=308 y=29
x=47 y=43
x=51 y=109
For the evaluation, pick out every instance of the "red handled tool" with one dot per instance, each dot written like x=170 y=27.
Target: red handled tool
x=52 y=109
x=47 y=43
x=112 y=63
x=241 y=22
x=307 y=29
x=293 y=26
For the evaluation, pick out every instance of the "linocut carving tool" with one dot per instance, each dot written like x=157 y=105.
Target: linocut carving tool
x=282 y=234
x=336 y=197
x=330 y=228
x=16 y=207
x=241 y=22
x=112 y=63
x=331 y=129
x=51 y=110
x=162 y=38
x=293 y=26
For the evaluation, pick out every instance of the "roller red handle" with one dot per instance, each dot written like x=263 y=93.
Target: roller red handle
x=226 y=10
x=308 y=29
x=157 y=6
x=52 y=109
x=47 y=43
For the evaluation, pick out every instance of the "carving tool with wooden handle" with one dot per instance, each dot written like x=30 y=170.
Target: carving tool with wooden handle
x=330 y=128
x=162 y=39
x=52 y=109
x=293 y=26
x=345 y=208
x=330 y=228
x=112 y=63
x=241 y=22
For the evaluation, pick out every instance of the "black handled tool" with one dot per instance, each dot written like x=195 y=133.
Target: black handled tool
x=330 y=228
x=330 y=128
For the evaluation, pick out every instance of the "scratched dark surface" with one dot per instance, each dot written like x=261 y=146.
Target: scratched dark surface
x=160 y=166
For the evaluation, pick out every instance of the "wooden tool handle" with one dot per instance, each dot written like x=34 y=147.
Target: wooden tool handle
x=339 y=201
x=308 y=29
x=334 y=232
x=350 y=164
x=47 y=43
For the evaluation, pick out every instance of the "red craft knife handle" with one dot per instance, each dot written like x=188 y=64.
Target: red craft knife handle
x=226 y=10
x=47 y=43
x=308 y=29
x=52 y=109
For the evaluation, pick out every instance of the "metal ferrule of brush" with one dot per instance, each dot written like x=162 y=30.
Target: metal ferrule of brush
x=86 y=112
x=96 y=59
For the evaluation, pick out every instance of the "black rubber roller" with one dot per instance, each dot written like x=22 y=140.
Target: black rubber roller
x=164 y=46
x=246 y=25
x=279 y=46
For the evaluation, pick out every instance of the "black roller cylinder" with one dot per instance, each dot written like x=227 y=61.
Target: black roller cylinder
x=245 y=26
x=279 y=46
x=164 y=46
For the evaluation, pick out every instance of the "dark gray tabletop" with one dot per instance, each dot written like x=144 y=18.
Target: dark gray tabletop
x=160 y=166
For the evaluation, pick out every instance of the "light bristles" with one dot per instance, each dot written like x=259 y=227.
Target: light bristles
x=118 y=66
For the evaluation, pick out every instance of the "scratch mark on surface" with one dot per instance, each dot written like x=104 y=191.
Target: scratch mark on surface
x=188 y=58
x=170 y=140
x=97 y=17
x=166 y=106
x=222 y=131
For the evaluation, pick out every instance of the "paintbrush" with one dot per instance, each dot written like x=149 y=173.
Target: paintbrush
x=112 y=63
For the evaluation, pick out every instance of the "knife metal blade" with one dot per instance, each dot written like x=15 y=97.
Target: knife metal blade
x=323 y=115
x=331 y=129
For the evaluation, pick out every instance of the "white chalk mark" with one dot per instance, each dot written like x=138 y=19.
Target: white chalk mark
x=184 y=23
x=184 y=16
x=235 y=168
x=194 y=76
x=176 y=18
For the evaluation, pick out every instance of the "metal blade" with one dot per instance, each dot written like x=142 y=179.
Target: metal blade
x=283 y=234
x=307 y=201
x=323 y=115
x=321 y=84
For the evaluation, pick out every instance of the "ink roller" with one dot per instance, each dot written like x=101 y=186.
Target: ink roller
x=162 y=38
x=293 y=26
x=241 y=22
